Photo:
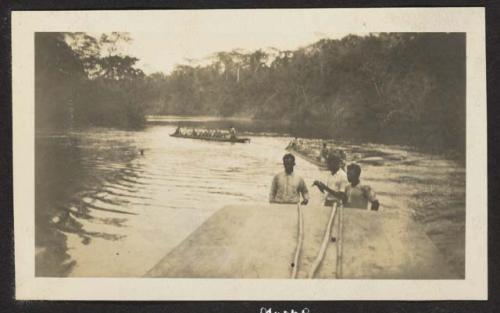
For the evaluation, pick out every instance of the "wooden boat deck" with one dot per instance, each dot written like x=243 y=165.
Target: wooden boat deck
x=259 y=241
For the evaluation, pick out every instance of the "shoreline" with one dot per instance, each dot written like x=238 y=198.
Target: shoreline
x=287 y=130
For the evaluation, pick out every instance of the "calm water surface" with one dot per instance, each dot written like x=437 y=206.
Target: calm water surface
x=103 y=208
x=121 y=210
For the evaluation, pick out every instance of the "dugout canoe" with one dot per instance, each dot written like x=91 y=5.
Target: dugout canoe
x=236 y=140
x=308 y=158
x=260 y=241
x=375 y=161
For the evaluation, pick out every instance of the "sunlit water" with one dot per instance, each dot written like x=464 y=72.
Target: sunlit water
x=133 y=208
x=103 y=208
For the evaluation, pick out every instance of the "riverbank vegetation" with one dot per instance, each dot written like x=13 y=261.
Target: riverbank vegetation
x=83 y=81
x=389 y=88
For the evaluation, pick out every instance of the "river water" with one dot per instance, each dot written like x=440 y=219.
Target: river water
x=113 y=203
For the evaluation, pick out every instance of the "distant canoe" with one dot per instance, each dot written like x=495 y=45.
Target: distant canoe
x=235 y=140
x=376 y=161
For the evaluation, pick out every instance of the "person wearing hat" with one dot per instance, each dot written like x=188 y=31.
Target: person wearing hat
x=287 y=187
x=336 y=181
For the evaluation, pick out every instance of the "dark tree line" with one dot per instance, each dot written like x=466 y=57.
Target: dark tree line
x=76 y=85
x=393 y=88
x=397 y=87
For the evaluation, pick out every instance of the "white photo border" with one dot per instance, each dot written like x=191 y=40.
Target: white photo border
x=28 y=287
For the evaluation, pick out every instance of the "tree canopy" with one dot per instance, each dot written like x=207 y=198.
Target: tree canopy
x=387 y=87
x=81 y=80
x=397 y=87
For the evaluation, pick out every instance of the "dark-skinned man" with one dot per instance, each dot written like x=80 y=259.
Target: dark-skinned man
x=355 y=194
x=287 y=187
x=359 y=196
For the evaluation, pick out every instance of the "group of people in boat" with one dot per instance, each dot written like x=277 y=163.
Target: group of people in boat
x=206 y=133
x=299 y=146
x=342 y=185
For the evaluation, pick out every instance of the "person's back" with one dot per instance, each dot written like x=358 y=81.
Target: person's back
x=287 y=187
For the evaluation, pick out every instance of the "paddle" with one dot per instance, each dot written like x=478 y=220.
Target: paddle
x=324 y=244
x=338 y=272
x=300 y=239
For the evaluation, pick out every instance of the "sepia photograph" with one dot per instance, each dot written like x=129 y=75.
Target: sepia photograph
x=227 y=147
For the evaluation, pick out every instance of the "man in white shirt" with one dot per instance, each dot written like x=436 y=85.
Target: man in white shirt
x=288 y=187
x=336 y=182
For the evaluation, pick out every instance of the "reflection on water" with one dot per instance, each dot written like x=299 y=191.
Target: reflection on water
x=105 y=209
x=113 y=203
x=71 y=170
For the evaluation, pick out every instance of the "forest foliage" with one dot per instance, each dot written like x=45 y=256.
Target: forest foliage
x=398 y=87
x=83 y=81
x=388 y=87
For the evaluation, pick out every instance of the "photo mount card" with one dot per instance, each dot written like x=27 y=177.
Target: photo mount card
x=117 y=198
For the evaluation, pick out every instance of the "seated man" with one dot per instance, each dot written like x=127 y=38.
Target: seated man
x=343 y=157
x=293 y=143
x=359 y=196
x=336 y=182
x=232 y=133
x=323 y=154
x=286 y=186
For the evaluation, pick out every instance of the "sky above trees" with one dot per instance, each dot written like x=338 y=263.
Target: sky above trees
x=162 y=51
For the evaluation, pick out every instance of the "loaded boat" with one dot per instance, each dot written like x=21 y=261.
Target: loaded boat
x=319 y=162
x=311 y=159
x=208 y=138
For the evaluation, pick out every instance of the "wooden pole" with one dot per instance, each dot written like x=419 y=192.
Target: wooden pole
x=324 y=244
x=300 y=239
x=338 y=273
